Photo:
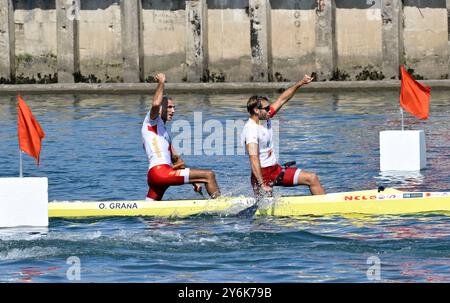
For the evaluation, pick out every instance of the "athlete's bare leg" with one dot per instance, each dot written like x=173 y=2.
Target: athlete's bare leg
x=208 y=178
x=311 y=179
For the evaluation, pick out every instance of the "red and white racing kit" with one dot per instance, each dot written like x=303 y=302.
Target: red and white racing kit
x=158 y=147
x=262 y=134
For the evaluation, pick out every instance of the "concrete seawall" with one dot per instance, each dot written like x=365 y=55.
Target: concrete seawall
x=113 y=41
x=209 y=88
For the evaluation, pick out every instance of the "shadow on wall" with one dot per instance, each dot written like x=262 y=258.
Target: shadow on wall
x=97 y=4
x=227 y=4
x=358 y=4
x=426 y=3
x=297 y=4
x=275 y=4
x=365 y=4
x=32 y=4
x=173 y=5
x=51 y=4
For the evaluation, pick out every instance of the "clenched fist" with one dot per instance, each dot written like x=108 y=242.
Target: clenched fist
x=161 y=78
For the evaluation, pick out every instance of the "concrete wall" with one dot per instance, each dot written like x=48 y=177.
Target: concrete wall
x=425 y=38
x=358 y=36
x=229 y=41
x=7 y=49
x=278 y=39
x=164 y=38
x=293 y=38
x=35 y=39
x=100 y=40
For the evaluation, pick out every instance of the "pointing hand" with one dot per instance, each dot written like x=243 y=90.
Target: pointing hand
x=307 y=79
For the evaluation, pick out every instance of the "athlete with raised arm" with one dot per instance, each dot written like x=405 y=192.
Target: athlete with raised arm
x=166 y=168
x=257 y=137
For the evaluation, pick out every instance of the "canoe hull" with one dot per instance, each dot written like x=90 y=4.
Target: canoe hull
x=370 y=202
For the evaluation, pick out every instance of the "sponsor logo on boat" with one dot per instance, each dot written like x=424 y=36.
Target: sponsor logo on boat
x=373 y=197
x=118 y=205
x=412 y=195
x=359 y=198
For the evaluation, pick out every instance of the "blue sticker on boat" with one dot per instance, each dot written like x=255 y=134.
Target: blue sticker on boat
x=412 y=195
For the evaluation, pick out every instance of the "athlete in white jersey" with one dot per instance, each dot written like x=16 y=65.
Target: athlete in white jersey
x=166 y=168
x=257 y=137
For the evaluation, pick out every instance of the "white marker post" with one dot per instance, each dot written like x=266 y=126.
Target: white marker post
x=402 y=150
x=23 y=202
x=401 y=112
x=21 y=164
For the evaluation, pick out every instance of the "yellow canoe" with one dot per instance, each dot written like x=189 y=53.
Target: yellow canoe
x=390 y=201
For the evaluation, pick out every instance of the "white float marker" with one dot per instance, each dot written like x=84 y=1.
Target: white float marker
x=402 y=150
x=24 y=201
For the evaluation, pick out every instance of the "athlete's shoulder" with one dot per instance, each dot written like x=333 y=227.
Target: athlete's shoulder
x=250 y=124
x=152 y=127
x=151 y=121
x=249 y=133
x=249 y=127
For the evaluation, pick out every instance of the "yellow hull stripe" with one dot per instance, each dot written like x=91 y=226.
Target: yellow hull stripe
x=391 y=201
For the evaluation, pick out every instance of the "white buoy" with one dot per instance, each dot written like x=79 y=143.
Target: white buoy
x=23 y=202
x=402 y=150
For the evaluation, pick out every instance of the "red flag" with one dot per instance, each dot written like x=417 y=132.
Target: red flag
x=30 y=132
x=414 y=97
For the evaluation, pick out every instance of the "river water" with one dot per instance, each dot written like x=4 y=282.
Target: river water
x=93 y=151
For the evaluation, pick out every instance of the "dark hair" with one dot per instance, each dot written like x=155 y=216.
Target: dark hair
x=165 y=101
x=166 y=98
x=255 y=102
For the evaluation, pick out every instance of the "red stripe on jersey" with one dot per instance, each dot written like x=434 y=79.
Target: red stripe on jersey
x=153 y=129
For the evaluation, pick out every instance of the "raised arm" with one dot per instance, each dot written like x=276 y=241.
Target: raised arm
x=157 y=98
x=289 y=93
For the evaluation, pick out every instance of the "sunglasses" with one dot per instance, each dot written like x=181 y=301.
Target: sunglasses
x=259 y=106
x=266 y=108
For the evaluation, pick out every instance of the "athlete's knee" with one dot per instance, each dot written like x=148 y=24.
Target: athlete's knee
x=314 y=179
x=210 y=175
x=311 y=179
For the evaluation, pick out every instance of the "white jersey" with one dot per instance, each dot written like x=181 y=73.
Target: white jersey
x=263 y=136
x=157 y=142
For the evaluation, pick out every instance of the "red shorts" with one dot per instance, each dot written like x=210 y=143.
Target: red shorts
x=271 y=173
x=160 y=177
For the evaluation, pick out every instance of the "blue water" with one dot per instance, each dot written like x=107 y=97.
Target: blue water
x=93 y=151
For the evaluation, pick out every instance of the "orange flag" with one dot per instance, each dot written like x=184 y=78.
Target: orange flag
x=414 y=97
x=30 y=132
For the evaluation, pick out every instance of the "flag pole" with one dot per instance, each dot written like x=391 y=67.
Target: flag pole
x=401 y=111
x=20 y=161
